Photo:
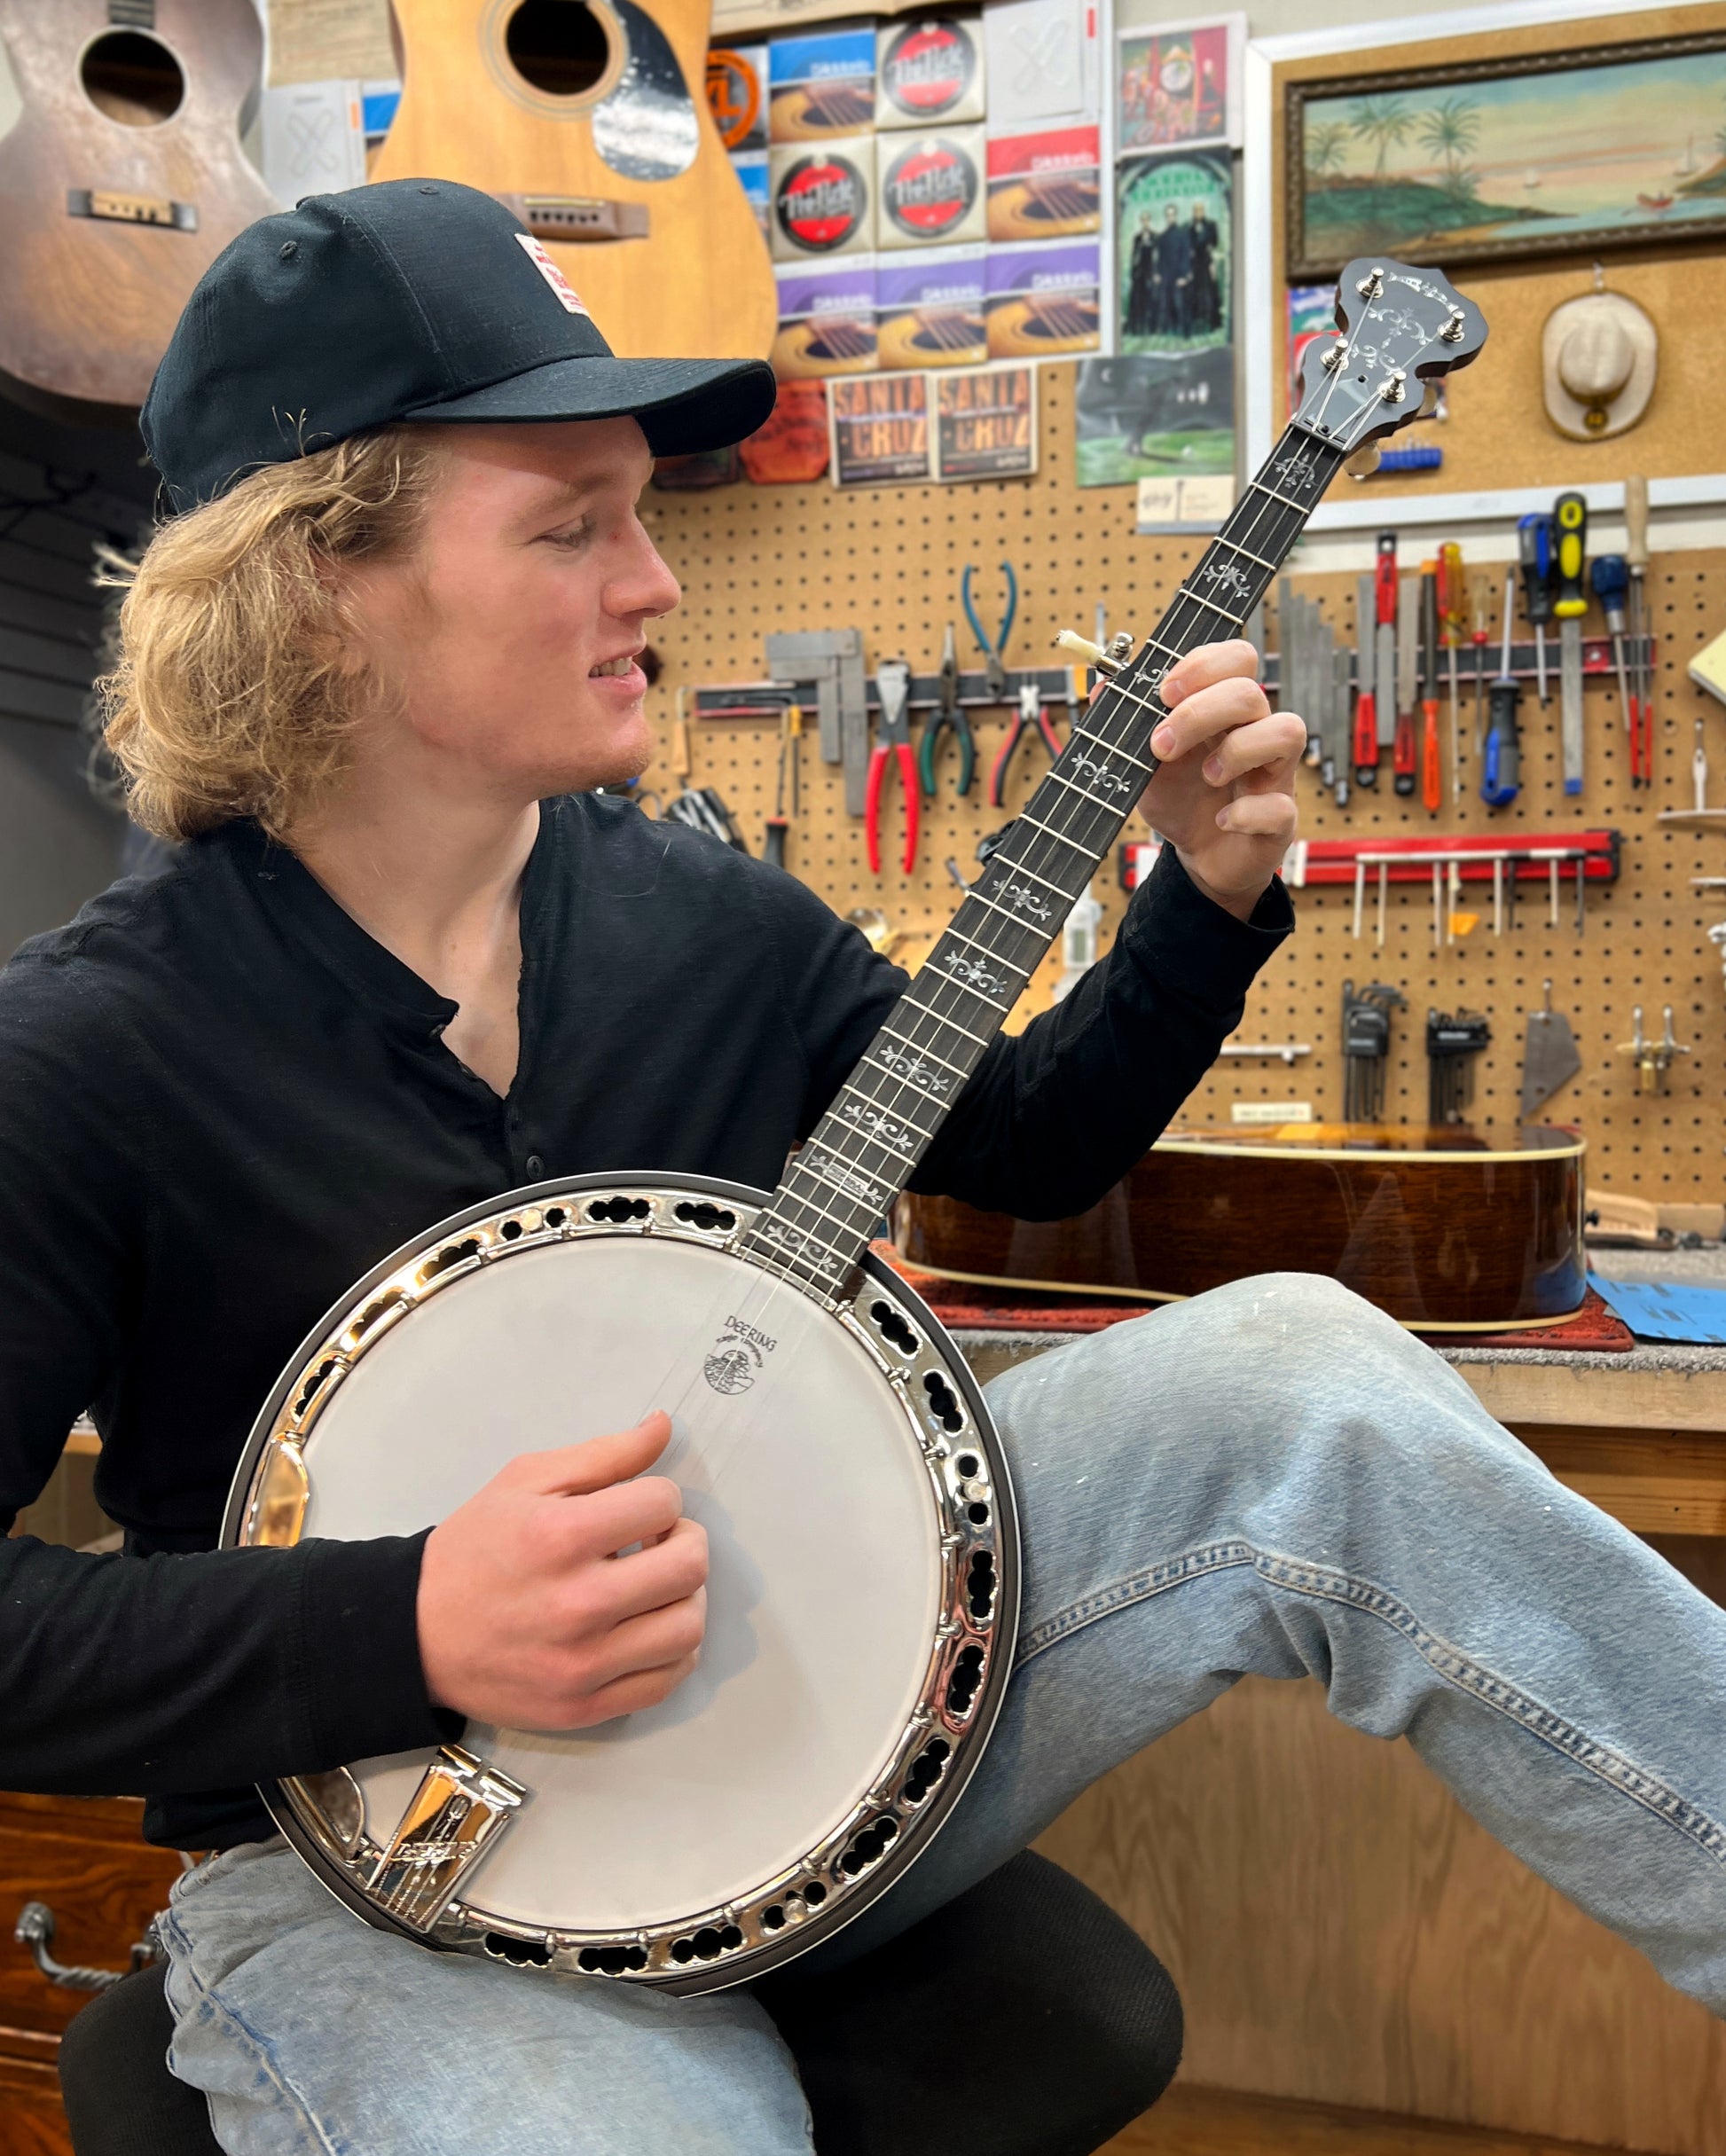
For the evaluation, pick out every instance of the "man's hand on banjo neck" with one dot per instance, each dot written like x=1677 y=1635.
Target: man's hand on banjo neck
x=527 y=1615
x=1224 y=797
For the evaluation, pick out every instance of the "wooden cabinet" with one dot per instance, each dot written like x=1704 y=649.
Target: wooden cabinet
x=85 y=1857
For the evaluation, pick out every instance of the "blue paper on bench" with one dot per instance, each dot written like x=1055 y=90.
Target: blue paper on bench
x=1668 y=1309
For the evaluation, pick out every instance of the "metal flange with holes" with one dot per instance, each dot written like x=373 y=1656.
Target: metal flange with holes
x=969 y=1655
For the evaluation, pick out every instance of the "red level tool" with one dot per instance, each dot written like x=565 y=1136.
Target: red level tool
x=1332 y=860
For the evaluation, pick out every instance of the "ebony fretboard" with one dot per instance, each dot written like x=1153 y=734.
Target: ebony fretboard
x=863 y=1151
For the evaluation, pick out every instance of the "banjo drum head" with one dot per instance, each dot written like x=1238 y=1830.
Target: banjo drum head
x=823 y=1499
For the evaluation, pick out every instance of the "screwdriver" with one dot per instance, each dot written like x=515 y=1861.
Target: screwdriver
x=1534 y=551
x=1453 y=615
x=1366 y=716
x=1407 y=681
x=1480 y=594
x=1430 y=791
x=1570 y=518
x=1610 y=575
x=1641 y=702
x=1384 y=640
x=1500 y=772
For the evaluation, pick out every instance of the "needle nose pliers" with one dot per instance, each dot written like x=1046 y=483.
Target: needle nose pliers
x=995 y=671
x=1030 y=713
x=948 y=716
x=893 y=687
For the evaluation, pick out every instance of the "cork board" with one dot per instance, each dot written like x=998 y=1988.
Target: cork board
x=754 y=559
x=1498 y=435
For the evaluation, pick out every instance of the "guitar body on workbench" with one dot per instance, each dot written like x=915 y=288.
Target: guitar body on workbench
x=1445 y=1230
x=593 y=120
x=122 y=181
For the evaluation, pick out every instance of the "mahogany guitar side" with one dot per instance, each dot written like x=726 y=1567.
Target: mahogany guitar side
x=90 y=283
x=1443 y=1230
x=637 y=141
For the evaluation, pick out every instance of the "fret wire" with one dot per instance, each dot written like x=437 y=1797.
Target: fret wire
x=1258 y=486
x=959 y=936
x=786 y=1196
x=1222 y=613
x=804 y=1165
x=922 y=1049
x=1114 y=748
x=1036 y=824
x=1074 y=786
x=851 y=1086
x=1235 y=547
x=952 y=1024
x=844 y=1134
x=825 y=1213
x=1060 y=889
x=952 y=980
x=1025 y=926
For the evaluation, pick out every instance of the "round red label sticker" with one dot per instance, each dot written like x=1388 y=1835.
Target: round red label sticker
x=822 y=201
x=930 y=188
x=929 y=68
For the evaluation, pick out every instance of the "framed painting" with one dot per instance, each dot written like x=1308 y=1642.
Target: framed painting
x=1508 y=159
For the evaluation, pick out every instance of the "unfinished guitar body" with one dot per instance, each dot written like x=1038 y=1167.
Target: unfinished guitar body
x=594 y=121
x=122 y=181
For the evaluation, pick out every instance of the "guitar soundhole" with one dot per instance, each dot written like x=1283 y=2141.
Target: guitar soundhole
x=557 y=46
x=133 y=79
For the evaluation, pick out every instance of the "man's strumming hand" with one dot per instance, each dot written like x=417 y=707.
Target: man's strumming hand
x=527 y=1615
x=1224 y=796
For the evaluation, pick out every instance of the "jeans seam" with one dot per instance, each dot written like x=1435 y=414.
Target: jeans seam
x=262 y=2053
x=1323 y=1583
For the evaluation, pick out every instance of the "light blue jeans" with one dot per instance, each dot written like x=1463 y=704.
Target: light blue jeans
x=1272 y=1478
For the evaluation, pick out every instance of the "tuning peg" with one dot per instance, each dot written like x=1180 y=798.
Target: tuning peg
x=1452 y=332
x=1335 y=357
x=1106 y=660
x=1371 y=284
x=1394 y=390
x=1363 y=463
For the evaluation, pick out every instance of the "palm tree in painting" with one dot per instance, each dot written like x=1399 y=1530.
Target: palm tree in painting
x=1448 y=132
x=1326 y=146
x=1384 y=122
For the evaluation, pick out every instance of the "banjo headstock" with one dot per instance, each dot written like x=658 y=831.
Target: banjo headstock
x=1397 y=330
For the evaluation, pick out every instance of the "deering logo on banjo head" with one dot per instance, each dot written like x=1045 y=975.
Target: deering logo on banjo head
x=863 y=1592
x=737 y=1356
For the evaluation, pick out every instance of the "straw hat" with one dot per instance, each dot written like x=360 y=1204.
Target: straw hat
x=1599 y=355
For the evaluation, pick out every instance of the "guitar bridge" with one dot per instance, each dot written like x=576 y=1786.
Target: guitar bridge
x=460 y=1808
x=112 y=204
x=576 y=216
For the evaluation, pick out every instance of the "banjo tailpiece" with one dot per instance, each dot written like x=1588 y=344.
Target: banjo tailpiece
x=864 y=1585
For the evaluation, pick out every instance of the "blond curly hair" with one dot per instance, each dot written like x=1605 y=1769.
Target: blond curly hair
x=236 y=691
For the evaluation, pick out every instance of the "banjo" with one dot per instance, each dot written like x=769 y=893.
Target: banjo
x=863 y=1593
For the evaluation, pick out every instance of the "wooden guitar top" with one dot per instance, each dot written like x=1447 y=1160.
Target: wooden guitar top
x=88 y=301
x=617 y=116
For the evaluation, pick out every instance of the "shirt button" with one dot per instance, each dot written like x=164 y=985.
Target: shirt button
x=535 y=1165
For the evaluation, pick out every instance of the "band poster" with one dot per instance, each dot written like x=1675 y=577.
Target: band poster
x=1178 y=86
x=1175 y=252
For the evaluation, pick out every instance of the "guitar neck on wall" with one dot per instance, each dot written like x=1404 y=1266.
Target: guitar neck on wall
x=1398 y=330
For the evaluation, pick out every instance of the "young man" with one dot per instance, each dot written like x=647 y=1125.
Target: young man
x=408 y=959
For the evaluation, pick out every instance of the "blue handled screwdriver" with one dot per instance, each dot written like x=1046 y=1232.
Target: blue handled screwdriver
x=1501 y=776
x=1610 y=575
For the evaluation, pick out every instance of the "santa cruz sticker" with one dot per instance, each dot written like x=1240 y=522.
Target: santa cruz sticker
x=928 y=69
x=822 y=201
x=930 y=188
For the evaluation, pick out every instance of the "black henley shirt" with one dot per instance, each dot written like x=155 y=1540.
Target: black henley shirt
x=222 y=1103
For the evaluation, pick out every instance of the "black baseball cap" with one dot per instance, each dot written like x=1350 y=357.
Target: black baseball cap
x=406 y=301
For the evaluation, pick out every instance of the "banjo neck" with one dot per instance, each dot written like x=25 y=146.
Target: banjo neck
x=866 y=1148
x=1397 y=328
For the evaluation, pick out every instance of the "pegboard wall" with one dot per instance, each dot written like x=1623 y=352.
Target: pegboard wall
x=759 y=558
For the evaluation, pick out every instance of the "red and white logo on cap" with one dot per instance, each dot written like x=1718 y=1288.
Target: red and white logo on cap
x=569 y=298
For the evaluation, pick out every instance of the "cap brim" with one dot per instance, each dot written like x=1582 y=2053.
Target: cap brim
x=684 y=406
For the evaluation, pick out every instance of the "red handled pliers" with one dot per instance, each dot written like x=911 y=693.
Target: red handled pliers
x=893 y=689
x=1031 y=714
